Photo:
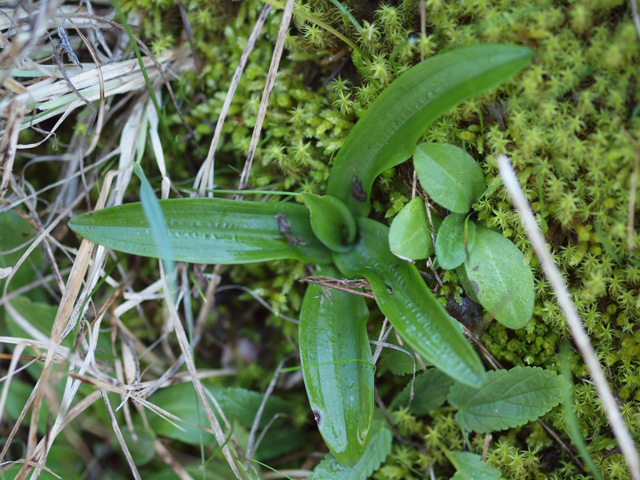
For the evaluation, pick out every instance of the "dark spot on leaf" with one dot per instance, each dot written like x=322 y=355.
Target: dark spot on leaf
x=389 y=288
x=285 y=228
x=317 y=414
x=357 y=192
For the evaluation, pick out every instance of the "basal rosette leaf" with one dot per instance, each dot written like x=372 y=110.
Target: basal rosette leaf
x=409 y=305
x=209 y=230
x=509 y=398
x=389 y=130
x=338 y=368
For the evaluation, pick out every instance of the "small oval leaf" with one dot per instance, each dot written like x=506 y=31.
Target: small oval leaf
x=387 y=133
x=470 y=466
x=331 y=221
x=338 y=369
x=410 y=234
x=509 y=398
x=450 y=176
x=454 y=241
x=412 y=309
x=502 y=282
x=209 y=230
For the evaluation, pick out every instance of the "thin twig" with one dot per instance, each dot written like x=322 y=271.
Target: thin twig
x=256 y=422
x=631 y=210
x=580 y=336
x=635 y=15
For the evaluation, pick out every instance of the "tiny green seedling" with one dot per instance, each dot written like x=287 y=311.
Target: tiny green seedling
x=334 y=233
x=492 y=269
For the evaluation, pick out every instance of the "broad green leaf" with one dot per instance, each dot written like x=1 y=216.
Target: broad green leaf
x=430 y=390
x=509 y=398
x=209 y=230
x=450 y=176
x=500 y=278
x=376 y=453
x=470 y=466
x=15 y=231
x=236 y=403
x=389 y=130
x=455 y=239
x=410 y=234
x=331 y=221
x=338 y=368
x=412 y=309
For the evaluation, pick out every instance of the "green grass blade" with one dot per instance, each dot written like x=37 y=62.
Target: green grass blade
x=573 y=426
x=155 y=218
x=338 y=368
x=209 y=230
x=387 y=133
x=409 y=305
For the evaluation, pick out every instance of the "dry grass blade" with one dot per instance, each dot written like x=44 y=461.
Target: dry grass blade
x=73 y=287
x=200 y=391
x=27 y=35
x=51 y=100
x=9 y=143
x=252 y=445
x=631 y=209
x=116 y=430
x=271 y=79
x=165 y=455
x=580 y=336
x=207 y=168
x=15 y=358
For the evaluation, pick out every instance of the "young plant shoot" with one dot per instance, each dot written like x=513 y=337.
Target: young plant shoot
x=334 y=232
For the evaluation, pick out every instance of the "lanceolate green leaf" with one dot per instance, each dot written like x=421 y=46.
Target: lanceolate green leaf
x=338 y=368
x=209 y=230
x=450 y=176
x=409 y=305
x=508 y=399
x=387 y=133
x=500 y=279
x=331 y=221
x=375 y=453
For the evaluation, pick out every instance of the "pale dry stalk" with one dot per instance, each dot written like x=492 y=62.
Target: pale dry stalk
x=574 y=322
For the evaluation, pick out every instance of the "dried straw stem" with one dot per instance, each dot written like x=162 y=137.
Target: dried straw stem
x=580 y=336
